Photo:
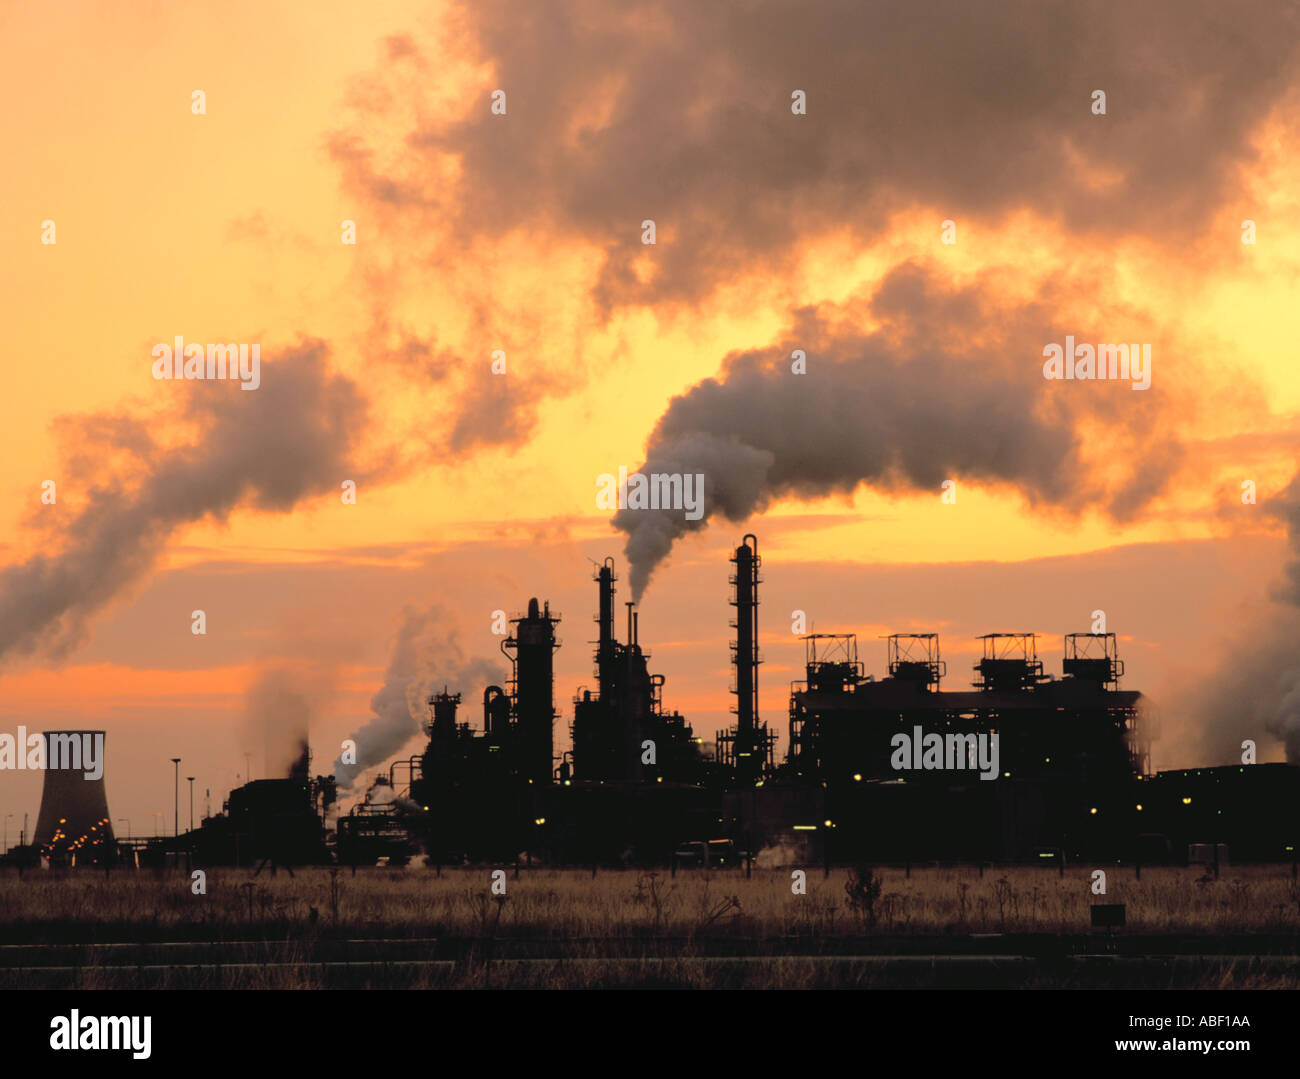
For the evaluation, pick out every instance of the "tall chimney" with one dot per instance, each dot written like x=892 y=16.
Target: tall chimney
x=746 y=604
x=606 y=645
x=74 y=817
x=750 y=742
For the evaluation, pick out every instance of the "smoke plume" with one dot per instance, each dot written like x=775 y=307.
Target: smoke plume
x=278 y=711
x=1256 y=691
x=425 y=657
x=944 y=388
x=267 y=450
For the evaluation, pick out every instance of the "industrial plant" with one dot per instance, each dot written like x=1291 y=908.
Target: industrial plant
x=1022 y=765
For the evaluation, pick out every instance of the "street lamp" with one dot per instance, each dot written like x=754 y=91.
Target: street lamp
x=176 y=798
x=191 y=779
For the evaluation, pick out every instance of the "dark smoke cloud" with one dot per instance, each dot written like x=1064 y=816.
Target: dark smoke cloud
x=680 y=111
x=267 y=449
x=949 y=386
x=426 y=656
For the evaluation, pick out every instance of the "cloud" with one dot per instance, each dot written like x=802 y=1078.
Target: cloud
x=681 y=112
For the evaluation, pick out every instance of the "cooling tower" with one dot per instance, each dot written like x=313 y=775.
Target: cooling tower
x=74 y=817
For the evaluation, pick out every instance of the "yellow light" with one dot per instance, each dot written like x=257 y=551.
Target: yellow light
x=1187 y=801
x=540 y=820
x=857 y=778
x=1139 y=808
x=1093 y=810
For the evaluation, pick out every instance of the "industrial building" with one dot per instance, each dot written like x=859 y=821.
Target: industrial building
x=1021 y=765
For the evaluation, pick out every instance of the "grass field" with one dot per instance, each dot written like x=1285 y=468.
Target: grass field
x=564 y=927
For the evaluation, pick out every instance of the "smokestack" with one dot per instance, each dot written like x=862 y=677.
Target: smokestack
x=534 y=645
x=747 y=748
x=746 y=658
x=606 y=616
x=606 y=645
x=74 y=817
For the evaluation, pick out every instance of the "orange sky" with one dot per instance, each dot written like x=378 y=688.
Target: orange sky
x=474 y=495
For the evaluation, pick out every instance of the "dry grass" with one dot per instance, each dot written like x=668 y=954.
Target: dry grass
x=562 y=927
x=553 y=903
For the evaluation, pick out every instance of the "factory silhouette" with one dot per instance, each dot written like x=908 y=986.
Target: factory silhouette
x=641 y=786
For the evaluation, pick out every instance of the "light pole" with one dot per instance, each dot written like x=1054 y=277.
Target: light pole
x=128 y=827
x=191 y=779
x=176 y=798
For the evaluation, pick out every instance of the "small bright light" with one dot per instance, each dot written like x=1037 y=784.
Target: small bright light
x=857 y=778
x=1139 y=809
x=1093 y=810
x=540 y=820
x=1187 y=801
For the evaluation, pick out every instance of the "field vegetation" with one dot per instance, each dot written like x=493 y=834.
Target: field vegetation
x=416 y=926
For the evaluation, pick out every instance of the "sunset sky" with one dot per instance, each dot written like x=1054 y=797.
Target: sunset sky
x=522 y=232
